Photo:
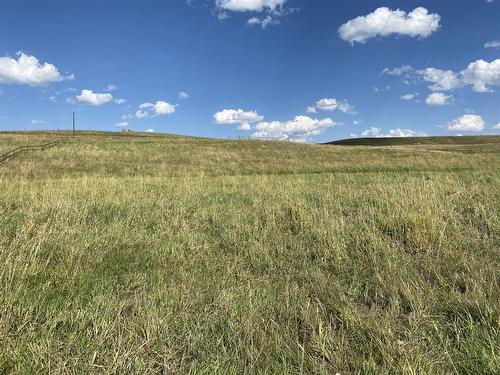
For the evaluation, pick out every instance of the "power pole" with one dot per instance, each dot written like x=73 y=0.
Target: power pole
x=74 y=121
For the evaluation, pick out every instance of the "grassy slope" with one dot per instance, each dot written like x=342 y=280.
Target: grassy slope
x=466 y=140
x=150 y=254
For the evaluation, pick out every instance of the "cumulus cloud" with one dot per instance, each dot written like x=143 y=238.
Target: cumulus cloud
x=301 y=127
x=374 y=132
x=183 y=95
x=438 y=99
x=467 y=123
x=245 y=126
x=497 y=126
x=442 y=80
x=492 y=44
x=482 y=74
x=111 y=88
x=119 y=101
x=250 y=5
x=384 y=22
x=237 y=117
x=331 y=104
x=27 y=70
x=160 y=108
x=150 y=130
x=92 y=98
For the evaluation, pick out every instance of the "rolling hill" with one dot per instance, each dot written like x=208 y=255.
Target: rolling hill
x=462 y=140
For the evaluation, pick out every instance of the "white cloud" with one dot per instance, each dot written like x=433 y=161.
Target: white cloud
x=272 y=9
x=250 y=5
x=55 y=96
x=253 y=21
x=467 y=123
x=221 y=16
x=386 y=88
x=27 y=70
x=237 y=117
x=150 y=130
x=39 y=122
x=302 y=127
x=374 y=132
x=408 y=97
x=443 y=80
x=492 y=44
x=245 y=126
x=122 y=124
x=331 y=104
x=403 y=70
x=384 y=22
x=95 y=99
x=183 y=95
x=160 y=108
x=438 y=99
x=141 y=114
x=497 y=126
x=111 y=88
x=262 y=22
x=482 y=74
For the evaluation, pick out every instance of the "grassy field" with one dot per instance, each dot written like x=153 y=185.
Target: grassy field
x=391 y=141
x=161 y=254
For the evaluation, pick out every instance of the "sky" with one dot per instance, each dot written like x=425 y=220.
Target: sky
x=303 y=70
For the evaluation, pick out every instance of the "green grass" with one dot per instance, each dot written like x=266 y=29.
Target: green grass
x=160 y=254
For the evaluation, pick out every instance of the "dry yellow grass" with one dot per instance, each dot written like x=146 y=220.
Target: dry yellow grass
x=180 y=255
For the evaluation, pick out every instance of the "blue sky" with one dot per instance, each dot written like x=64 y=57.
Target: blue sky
x=300 y=69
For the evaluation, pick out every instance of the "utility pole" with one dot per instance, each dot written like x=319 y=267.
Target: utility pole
x=74 y=121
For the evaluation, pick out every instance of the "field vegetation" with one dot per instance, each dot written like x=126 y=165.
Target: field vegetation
x=165 y=254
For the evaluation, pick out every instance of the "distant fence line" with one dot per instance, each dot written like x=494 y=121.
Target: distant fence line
x=19 y=150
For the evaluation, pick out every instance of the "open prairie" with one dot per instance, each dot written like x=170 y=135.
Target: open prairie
x=166 y=254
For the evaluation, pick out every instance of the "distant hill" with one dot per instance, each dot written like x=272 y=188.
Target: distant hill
x=466 y=140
